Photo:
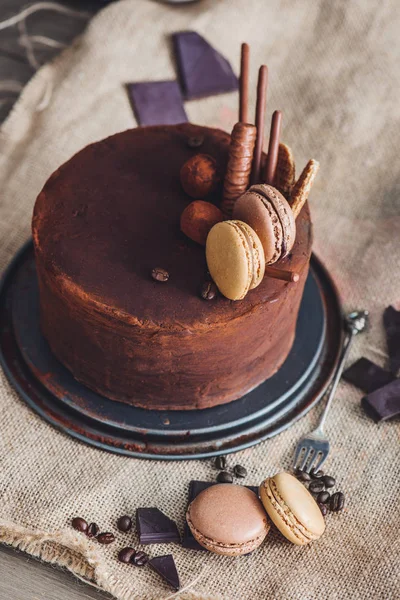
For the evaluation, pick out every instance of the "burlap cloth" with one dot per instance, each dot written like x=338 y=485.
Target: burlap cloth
x=334 y=70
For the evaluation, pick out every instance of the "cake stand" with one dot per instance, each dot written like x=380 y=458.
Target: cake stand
x=49 y=388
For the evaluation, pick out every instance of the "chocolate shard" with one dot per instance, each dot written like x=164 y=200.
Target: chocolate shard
x=154 y=527
x=391 y=322
x=166 y=568
x=384 y=403
x=195 y=487
x=367 y=376
x=157 y=102
x=203 y=71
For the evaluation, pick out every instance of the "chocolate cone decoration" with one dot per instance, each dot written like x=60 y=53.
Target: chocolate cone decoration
x=203 y=71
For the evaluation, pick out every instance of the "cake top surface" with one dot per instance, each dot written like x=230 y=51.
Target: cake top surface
x=111 y=214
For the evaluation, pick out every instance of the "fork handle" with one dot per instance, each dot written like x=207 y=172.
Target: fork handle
x=339 y=370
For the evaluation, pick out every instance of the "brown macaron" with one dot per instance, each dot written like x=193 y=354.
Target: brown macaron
x=267 y=212
x=228 y=519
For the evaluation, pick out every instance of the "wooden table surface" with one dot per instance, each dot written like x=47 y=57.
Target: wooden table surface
x=22 y=577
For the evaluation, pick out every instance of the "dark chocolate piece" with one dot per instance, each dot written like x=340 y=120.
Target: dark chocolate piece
x=157 y=102
x=203 y=71
x=367 y=376
x=166 y=568
x=384 y=403
x=154 y=527
x=391 y=322
x=195 y=487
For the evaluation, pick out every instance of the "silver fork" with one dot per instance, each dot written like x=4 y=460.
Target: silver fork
x=313 y=449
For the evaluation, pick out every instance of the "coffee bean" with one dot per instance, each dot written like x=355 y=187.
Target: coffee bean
x=220 y=463
x=240 y=471
x=303 y=475
x=140 y=559
x=126 y=555
x=323 y=508
x=106 y=538
x=316 y=486
x=79 y=524
x=329 y=481
x=159 y=274
x=208 y=290
x=224 y=477
x=323 y=497
x=124 y=523
x=316 y=474
x=92 y=530
x=196 y=141
x=337 y=502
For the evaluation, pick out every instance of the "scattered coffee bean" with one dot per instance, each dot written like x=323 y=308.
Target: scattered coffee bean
x=336 y=502
x=92 y=530
x=323 y=508
x=195 y=141
x=79 y=524
x=316 y=486
x=316 y=474
x=329 y=481
x=323 y=497
x=224 y=477
x=124 y=523
x=140 y=559
x=106 y=538
x=126 y=555
x=303 y=475
x=160 y=274
x=208 y=290
x=220 y=463
x=240 y=471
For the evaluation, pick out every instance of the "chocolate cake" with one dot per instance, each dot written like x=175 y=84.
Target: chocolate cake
x=102 y=222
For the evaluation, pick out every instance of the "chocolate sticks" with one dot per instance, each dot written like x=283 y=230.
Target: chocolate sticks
x=273 y=148
x=283 y=274
x=260 y=121
x=244 y=84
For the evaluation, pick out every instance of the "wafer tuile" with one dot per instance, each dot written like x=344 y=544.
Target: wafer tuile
x=244 y=84
x=260 y=121
x=237 y=177
x=285 y=175
x=303 y=186
x=273 y=148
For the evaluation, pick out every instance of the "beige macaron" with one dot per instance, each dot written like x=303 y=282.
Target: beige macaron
x=265 y=209
x=228 y=519
x=235 y=258
x=292 y=508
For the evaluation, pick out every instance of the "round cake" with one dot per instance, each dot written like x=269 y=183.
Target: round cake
x=101 y=224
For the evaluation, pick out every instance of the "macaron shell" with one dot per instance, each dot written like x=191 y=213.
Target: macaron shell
x=284 y=213
x=228 y=260
x=257 y=252
x=254 y=209
x=292 y=508
x=228 y=519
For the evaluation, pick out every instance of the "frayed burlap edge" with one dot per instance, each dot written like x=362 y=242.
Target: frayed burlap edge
x=76 y=553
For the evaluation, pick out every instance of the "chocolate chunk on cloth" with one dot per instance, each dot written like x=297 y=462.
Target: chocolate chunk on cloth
x=195 y=487
x=367 y=376
x=203 y=71
x=157 y=102
x=166 y=568
x=384 y=403
x=391 y=322
x=154 y=527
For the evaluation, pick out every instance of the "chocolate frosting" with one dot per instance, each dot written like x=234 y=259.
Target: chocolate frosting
x=103 y=221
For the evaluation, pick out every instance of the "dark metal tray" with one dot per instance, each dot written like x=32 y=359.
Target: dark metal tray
x=50 y=389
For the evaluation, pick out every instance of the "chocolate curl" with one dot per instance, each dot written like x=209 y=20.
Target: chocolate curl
x=283 y=274
x=238 y=171
x=303 y=186
x=244 y=84
x=285 y=175
x=260 y=121
x=273 y=148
